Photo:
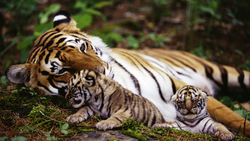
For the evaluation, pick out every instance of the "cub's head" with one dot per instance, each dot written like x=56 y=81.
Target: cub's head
x=83 y=88
x=58 y=54
x=190 y=101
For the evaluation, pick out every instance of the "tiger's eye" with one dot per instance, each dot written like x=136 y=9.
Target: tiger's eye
x=82 y=48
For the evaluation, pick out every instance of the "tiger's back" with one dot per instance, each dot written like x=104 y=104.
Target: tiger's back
x=113 y=102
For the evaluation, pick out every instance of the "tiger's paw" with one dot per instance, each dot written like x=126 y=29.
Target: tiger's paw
x=225 y=134
x=77 y=117
x=106 y=124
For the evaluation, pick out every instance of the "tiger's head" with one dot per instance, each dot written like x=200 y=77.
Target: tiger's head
x=190 y=102
x=58 y=54
x=83 y=88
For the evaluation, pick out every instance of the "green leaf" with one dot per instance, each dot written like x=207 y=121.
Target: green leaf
x=146 y=9
x=64 y=132
x=207 y=9
x=241 y=112
x=81 y=5
x=133 y=42
x=227 y=101
x=95 y=12
x=48 y=10
x=4 y=80
x=53 y=138
x=115 y=36
x=19 y=138
x=65 y=126
x=8 y=47
x=52 y=8
x=245 y=65
x=24 y=54
x=239 y=52
x=26 y=42
x=83 y=20
x=102 y=4
x=3 y=138
x=41 y=28
x=43 y=17
x=49 y=137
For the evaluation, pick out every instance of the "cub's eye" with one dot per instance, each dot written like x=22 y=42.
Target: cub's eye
x=83 y=48
x=89 y=78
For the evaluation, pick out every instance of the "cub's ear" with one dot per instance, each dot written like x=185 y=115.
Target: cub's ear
x=204 y=95
x=174 y=98
x=19 y=74
x=63 y=21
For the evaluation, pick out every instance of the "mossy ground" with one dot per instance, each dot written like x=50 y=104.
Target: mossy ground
x=27 y=115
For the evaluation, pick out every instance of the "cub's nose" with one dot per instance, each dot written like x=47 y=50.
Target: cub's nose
x=189 y=104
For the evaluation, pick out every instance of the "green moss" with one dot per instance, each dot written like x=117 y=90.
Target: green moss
x=131 y=124
x=153 y=135
x=81 y=129
x=112 y=139
x=167 y=139
x=134 y=134
x=39 y=120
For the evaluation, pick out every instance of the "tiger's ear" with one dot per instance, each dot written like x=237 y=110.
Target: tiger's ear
x=204 y=95
x=19 y=74
x=63 y=21
x=174 y=98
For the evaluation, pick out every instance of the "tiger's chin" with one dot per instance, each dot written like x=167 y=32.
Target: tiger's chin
x=190 y=116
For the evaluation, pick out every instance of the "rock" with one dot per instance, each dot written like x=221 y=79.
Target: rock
x=101 y=136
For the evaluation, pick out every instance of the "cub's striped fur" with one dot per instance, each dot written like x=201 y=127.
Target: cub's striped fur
x=192 y=115
x=95 y=93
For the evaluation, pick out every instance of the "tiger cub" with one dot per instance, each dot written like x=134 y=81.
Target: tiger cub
x=192 y=115
x=95 y=93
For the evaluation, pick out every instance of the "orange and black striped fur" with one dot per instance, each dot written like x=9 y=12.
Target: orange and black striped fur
x=155 y=74
x=190 y=104
x=95 y=93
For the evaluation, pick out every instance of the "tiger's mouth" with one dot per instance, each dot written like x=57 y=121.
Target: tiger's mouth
x=77 y=101
x=190 y=113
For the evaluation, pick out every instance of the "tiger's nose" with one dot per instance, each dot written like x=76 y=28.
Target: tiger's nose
x=188 y=103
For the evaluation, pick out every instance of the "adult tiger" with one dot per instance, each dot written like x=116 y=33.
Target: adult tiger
x=155 y=74
x=190 y=104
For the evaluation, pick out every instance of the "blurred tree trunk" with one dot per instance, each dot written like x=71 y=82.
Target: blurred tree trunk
x=1 y=33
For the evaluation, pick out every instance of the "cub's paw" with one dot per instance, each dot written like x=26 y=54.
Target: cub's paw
x=106 y=124
x=77 y=117
x=225 y=135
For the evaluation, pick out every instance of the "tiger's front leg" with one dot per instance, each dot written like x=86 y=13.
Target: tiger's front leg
x=114 y=121
x=80 y=115
x=222 y=132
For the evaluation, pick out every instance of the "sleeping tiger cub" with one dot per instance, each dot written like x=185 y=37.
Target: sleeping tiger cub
x=192 y=115
x=95 y=93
